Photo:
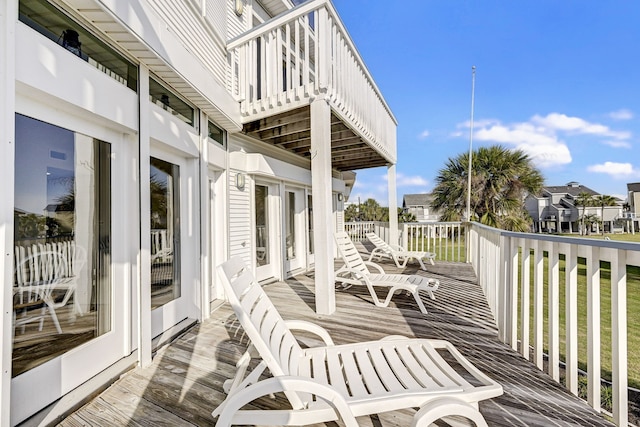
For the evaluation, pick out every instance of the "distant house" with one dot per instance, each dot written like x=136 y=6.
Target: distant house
x=633 y=201
x=420 y=206
x=555 y=210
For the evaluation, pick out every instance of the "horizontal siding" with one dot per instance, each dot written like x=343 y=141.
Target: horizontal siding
x=240 y=220
x=192 y=32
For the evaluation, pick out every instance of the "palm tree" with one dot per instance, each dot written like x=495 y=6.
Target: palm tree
x=604 y=200
x=583 y=199
x=589 y=220
x=500 y=180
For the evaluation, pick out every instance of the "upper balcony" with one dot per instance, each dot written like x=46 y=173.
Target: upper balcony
x=278 y=68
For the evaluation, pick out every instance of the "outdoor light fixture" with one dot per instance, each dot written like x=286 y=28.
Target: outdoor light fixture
x=239 y=7
x=340 y=197
x=240 y=181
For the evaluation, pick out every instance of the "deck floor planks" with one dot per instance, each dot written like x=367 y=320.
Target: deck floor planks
x=184 y=383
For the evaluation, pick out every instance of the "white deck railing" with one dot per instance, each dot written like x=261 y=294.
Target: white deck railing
x=520 y=275
x=445 y=239
x=292 y=58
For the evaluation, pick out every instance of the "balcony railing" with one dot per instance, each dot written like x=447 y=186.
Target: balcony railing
x=520 y=274
x=289 y=60
x=560 y=301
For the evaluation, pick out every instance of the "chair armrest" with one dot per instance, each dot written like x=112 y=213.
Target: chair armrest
x=286 y=383
x=375 y=266
x=303 y=325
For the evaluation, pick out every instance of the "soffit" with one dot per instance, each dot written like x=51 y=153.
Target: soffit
x=291 y=131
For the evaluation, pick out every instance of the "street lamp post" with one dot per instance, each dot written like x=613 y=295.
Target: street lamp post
x=473 y=88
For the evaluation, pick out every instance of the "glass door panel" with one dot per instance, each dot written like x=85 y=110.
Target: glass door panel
x=294 y=226
x=165 y=232
x=262 y=225
x=310 y=244
x=62 y=219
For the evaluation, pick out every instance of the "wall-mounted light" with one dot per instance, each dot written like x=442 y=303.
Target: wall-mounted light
x=340 y=197
x=240 y=181
x=239 y=7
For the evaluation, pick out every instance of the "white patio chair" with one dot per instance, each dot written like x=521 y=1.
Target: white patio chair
x=397 y=253
x=334 y=382
x=355 y=271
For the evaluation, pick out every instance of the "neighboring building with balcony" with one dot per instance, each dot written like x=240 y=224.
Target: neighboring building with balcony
x=176 y=134
x=420 y=206
x=555 y=210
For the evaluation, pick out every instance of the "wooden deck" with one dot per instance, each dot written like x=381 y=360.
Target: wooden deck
x=184 y=383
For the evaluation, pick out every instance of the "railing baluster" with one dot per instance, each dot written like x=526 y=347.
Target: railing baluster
x=571 y=317
x=524 y=315
x=554 y=314
x=619 y=337
x=538 y=304
x=593 y=327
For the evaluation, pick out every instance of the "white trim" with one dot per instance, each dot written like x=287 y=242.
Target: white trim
x=8 y=16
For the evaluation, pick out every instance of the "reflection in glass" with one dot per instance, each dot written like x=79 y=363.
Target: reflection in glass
x=262 y=234
x=290 y=215
x=165 y=232
x=62 y=238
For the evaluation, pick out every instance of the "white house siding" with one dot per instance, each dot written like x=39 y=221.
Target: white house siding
x=236 y=25
x=195 y=33
x=240 y=220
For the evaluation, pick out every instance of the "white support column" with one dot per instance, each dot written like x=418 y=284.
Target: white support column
x=8 y=17
x=393 y=205
x=322 y=205
x=144 y=256
x=205 y=218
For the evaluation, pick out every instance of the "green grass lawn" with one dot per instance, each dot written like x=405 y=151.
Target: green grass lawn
x=633 y=317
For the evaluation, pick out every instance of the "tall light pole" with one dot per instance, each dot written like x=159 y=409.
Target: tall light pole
x=473 y=89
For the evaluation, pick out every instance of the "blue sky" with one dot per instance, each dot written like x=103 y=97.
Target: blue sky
x=557 y=79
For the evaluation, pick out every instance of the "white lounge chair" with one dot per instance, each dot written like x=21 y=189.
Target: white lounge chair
x=339 y=381
x=355 y=271
x=397 y=253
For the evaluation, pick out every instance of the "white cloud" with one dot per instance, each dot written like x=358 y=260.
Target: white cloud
x=622 y=114
x=618 y=144
x=542 y=145
x=562 y=122
x=540 y=137
x=615 y=170
x=408 y=181
x=424 y=134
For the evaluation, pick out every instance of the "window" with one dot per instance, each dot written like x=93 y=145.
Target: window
x=165 y=232
x=62 y=241
x=166 y=99
x=55 y=25
x=217 y=134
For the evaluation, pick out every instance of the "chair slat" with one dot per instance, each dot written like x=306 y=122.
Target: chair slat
x=428 y=358
x=386 y=375
x=370 y=377
x=353 y=374
x=399 y=368
x=415 y=368
x=336 y=377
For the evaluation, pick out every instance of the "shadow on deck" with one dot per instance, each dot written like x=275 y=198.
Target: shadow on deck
x=184 y=383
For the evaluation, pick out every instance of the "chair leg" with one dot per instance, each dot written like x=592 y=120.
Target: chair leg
x=444 y=407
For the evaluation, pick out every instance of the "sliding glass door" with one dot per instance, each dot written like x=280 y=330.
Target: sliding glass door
x=62 y=287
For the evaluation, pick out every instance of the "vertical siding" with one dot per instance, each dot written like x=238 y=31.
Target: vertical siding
x=192 y=31
x=240 y=219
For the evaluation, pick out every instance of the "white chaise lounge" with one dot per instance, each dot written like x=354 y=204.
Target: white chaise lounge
x=397 y=253
x=335 y=382
x=355 y=271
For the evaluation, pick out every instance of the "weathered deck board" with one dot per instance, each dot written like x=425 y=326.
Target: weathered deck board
x=184 y=383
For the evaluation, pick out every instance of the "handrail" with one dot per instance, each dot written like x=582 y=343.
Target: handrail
x=297 y=12
x=510 y=269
